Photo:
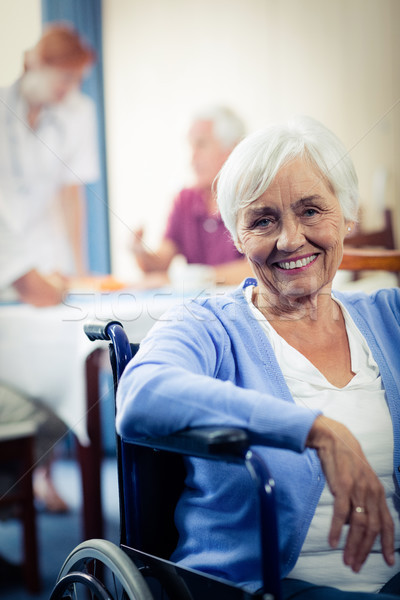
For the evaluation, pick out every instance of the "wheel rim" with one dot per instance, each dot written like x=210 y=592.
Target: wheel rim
x=72 y=583
x=104 y=571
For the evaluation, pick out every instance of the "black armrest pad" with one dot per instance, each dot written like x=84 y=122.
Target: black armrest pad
x=206 y=442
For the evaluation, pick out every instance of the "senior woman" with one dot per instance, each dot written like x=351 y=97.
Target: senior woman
x=314 y=371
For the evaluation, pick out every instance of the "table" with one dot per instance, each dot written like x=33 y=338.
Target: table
x=45 y=354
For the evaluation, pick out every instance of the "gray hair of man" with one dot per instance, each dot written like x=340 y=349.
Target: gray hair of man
x=255 y=162
x=228 y=127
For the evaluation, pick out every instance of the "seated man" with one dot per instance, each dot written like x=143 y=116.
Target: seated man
x=195 y=228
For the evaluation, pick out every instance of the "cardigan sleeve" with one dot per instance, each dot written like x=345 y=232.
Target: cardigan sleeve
x=179 y=379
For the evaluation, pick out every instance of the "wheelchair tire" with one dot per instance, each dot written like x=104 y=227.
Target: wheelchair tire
x=103 y=569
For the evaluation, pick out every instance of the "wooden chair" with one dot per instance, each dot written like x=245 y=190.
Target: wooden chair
x=381 y=238
x=17 y=461
x=361 y=259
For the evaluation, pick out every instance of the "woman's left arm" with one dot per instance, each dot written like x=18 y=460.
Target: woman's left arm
x=359 y=497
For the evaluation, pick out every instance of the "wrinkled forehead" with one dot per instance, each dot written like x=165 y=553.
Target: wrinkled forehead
x=297 y=181
x=297 y=176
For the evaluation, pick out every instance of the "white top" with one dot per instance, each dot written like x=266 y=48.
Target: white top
x=361 y=406
x=34 y=166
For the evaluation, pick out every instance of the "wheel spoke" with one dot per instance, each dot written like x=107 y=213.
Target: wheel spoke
x=115 y=586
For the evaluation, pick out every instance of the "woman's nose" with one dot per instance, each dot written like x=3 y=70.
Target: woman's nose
x=291 y=236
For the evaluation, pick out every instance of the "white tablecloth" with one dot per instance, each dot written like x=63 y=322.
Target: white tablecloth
x=43 y=350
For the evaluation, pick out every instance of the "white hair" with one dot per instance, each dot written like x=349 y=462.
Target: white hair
x=228 y=127
x=255 y=162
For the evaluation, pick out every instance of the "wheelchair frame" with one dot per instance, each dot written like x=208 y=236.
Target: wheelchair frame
x=132 y=564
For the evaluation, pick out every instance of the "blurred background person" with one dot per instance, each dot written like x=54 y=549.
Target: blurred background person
x=48 y=149
x=195 y=229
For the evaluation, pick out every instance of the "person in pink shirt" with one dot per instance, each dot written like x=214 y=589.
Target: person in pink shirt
x=195 y=229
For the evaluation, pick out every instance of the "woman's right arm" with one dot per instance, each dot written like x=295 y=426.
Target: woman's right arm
x=176 y=381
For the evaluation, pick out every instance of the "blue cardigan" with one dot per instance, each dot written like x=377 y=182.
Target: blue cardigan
x=208 y=362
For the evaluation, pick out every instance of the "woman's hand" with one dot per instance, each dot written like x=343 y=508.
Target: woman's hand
x=359 y=497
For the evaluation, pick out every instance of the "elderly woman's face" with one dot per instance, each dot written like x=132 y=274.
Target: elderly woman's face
x=293 y=234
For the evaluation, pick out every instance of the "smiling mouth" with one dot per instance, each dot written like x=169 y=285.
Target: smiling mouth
x=296 y=264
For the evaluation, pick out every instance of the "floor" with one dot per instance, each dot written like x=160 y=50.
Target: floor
x=59 y=534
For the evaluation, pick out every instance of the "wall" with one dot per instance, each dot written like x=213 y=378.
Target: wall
x=20 y=28
x=337 y=61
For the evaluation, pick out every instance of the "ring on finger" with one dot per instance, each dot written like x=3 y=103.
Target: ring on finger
x=359 y=510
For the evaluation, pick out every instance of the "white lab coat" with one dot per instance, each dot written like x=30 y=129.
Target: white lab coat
x=34 y=166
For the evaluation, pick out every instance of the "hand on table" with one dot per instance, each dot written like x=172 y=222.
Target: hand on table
x=359 y=498
x=41 y=290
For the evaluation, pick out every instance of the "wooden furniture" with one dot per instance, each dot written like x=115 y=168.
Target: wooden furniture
x=382 y=238
x=361 y=259
x=90 y=457
x=17 y=463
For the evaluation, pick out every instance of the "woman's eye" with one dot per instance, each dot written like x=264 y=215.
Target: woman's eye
x=310 y=212
x=265 y=222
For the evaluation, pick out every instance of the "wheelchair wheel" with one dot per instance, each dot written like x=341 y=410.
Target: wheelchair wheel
x=100 y=570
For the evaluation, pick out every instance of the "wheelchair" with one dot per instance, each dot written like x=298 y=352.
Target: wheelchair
x=151 y=477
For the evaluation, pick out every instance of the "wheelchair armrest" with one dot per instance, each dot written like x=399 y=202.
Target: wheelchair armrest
x=203 y=442
x=229 y=443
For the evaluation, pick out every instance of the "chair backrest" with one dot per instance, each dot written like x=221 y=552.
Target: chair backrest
x=371 y=260
x=380 y=238
x=150 y=483
x=373 y=246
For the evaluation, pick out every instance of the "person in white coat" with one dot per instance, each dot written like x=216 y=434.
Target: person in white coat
x=48 y=150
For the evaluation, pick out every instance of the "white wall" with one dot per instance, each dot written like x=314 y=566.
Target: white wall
x=337 y=61
x=20 y=28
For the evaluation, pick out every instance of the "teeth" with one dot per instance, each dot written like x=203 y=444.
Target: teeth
x=297 y=264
